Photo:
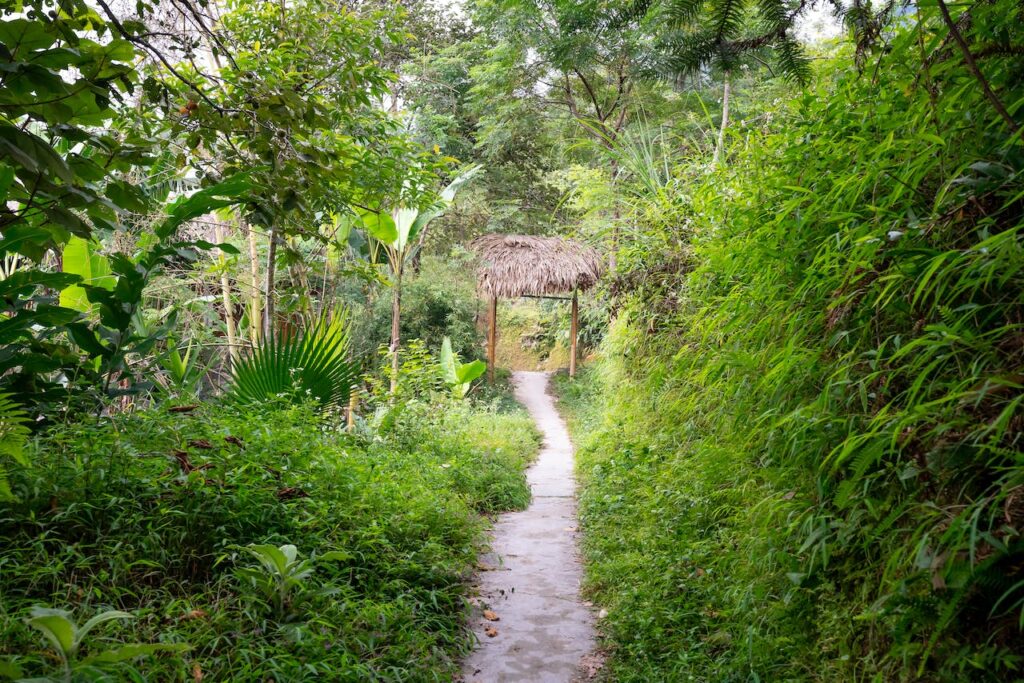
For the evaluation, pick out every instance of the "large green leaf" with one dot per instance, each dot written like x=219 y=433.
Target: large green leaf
x=228 y=192
x=471 y=371
x=81 y=258
x=381 y=226
x=56 y=626
x=449 y=365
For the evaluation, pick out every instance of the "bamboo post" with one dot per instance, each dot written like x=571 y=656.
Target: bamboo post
x=573 y=333
x=492 y=338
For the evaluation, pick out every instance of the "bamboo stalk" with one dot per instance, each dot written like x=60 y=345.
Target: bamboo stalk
x=225 y=290
x=254 y=288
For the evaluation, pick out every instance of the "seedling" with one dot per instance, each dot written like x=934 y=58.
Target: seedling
x=458 y=375
x=65 y=638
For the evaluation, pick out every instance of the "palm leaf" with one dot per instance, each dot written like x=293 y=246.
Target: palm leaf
x=312 y=363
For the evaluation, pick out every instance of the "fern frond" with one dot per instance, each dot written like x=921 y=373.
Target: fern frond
x=14 y=433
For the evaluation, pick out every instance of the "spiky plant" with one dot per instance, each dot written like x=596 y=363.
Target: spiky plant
x=311 y=363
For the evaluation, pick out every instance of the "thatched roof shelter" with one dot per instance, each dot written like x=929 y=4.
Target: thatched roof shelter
x=525 y=265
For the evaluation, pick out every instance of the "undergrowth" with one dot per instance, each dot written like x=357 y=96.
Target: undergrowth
x=153 y=513
x=801 y=452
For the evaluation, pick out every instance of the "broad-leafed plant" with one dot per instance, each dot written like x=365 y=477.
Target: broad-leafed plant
x=459 y=376
x=397 y=233
x=65 y=637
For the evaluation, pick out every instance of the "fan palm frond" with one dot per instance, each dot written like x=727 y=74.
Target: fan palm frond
x=311 y=363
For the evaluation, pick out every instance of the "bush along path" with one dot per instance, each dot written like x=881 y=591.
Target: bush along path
x=530 y=621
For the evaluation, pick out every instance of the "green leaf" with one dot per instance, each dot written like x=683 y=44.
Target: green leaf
x=449 y=365
x=6 y=179
x=471 y=371
x=80 y=258
x=102 y=618
x=8 y=669
x=230 y=191
x=25 y=35
x=133 y=651
x=56 y=625
x=336 y=556
x=381 y=226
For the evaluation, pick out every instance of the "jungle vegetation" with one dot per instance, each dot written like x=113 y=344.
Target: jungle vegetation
x=243 y=434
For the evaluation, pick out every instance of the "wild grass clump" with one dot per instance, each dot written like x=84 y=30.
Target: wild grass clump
x=169 y=516
x=802 y=451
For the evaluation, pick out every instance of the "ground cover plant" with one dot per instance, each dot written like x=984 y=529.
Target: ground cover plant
x=175 y=519
x=801 y=452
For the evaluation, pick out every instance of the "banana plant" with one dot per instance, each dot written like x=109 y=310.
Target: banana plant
x=64 y=637
x=397 y=233
x=457 y=375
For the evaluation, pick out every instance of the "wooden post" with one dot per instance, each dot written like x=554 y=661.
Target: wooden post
x=573 y=333
x=492 y=339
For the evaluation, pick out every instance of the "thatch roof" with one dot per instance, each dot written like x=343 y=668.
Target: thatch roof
x=524 y=265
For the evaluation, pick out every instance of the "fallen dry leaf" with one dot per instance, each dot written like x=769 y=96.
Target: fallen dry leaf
x=490 y=631
x=490 y=615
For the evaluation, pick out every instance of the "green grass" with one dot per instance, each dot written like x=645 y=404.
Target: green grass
x=800 y=454
x=109 y=517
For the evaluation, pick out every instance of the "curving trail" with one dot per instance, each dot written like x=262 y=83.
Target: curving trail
x=530 y=580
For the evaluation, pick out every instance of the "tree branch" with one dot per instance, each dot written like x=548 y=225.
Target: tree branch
x=590 y=91
x=972 y=66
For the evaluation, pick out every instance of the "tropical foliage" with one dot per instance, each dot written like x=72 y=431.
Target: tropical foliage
x=243 y=432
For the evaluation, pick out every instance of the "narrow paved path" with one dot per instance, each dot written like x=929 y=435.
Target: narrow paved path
x=530 y=580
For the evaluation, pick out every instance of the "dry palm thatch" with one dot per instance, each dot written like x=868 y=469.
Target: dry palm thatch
x=524 y=265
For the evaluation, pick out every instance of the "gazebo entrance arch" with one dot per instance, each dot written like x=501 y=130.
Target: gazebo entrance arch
x=513 y=266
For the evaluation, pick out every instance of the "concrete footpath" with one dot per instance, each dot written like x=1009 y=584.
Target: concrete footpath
x=530 y=621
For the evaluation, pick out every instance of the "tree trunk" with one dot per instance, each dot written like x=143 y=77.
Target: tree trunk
x=225 y=291
x=396 y=321
x=268 y=287
x=725 y=123
x=613 y=254
x=255 y=309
